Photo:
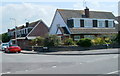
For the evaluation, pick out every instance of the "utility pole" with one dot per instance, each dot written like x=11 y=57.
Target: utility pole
x=15 y=29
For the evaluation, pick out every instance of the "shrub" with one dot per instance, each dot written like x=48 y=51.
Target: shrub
x=118 y=38
x=39 y=41
x=98 y=41
x=84 y=42
x=51 y=40
x=69 y=41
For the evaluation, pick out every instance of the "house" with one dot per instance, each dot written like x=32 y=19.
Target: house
x=79 y=24
x=24 y=34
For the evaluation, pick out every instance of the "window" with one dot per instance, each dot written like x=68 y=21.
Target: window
x=76 y=23
x=88 y=23
x=81 y=23
x=94 y=23
x=110 y=23
x=106 y=23
x=70 y=23
x=76 y=37
x=101 y=23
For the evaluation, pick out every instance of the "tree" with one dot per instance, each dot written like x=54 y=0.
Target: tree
x=5 y=38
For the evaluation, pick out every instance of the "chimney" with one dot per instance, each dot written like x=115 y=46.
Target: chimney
x=8 y=30
x=27 y=23
x=87 y=12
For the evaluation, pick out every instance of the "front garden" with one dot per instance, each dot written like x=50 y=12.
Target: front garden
x=55 y=43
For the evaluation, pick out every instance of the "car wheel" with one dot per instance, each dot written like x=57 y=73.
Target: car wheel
x=5 y=51
x=19 y=51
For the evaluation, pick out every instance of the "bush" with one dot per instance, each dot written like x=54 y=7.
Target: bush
x=39 y=41
x=84 y=42
x=98 y=41
x=69 y=41
x=51 y=40
x=118 y=38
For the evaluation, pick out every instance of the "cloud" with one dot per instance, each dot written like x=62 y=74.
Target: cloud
x=59 y=0
x=25 y=11
x=98 y=5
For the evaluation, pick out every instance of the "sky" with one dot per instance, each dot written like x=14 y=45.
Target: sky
x=17 y=12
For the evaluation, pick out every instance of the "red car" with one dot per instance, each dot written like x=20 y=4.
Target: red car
x=13 y=48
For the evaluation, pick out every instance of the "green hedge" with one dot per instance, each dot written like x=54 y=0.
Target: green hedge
x=84 y=42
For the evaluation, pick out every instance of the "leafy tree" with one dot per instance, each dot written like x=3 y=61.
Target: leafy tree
x=5 y=38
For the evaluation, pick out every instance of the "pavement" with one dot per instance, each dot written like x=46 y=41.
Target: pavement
x=88 y=52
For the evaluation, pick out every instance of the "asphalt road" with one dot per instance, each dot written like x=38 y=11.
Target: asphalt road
x=15 y=63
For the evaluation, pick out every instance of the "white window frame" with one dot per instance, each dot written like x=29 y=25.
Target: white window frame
x=103 y=23
x=110 y=22
x=88 y=22
x=76 y=23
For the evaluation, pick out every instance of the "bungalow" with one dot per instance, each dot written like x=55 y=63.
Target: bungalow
x=22 y=35
x=82 y=24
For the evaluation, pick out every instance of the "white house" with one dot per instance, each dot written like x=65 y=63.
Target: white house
x=82 y=23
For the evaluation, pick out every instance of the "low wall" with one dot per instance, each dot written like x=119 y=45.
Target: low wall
x=74 y=48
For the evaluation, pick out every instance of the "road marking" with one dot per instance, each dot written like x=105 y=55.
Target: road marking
x=54 y=66
x=113 y=72
x=8 y=72
x=80 y=63
x=26 y=70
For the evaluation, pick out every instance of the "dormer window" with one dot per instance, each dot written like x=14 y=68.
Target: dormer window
x=94 y=23
x=90 y=23
x=81 y=23
x=70 y=23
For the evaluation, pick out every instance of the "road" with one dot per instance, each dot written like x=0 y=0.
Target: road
x=16 y=63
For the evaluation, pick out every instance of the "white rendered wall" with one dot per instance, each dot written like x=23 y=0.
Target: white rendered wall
x=57 y=21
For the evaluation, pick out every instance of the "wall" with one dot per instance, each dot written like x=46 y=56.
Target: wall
x=74 y=48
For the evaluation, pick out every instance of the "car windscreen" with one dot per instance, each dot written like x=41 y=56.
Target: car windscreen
x=4 y=44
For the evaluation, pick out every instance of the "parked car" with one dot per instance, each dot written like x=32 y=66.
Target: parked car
x=4 y=46
x=13 y=48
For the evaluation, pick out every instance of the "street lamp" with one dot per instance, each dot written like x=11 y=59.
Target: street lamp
x=15 y=29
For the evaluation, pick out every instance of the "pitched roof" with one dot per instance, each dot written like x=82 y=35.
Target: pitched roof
x=40 y=29
x=67 y=14
x=32 y=24
x=93 y=30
